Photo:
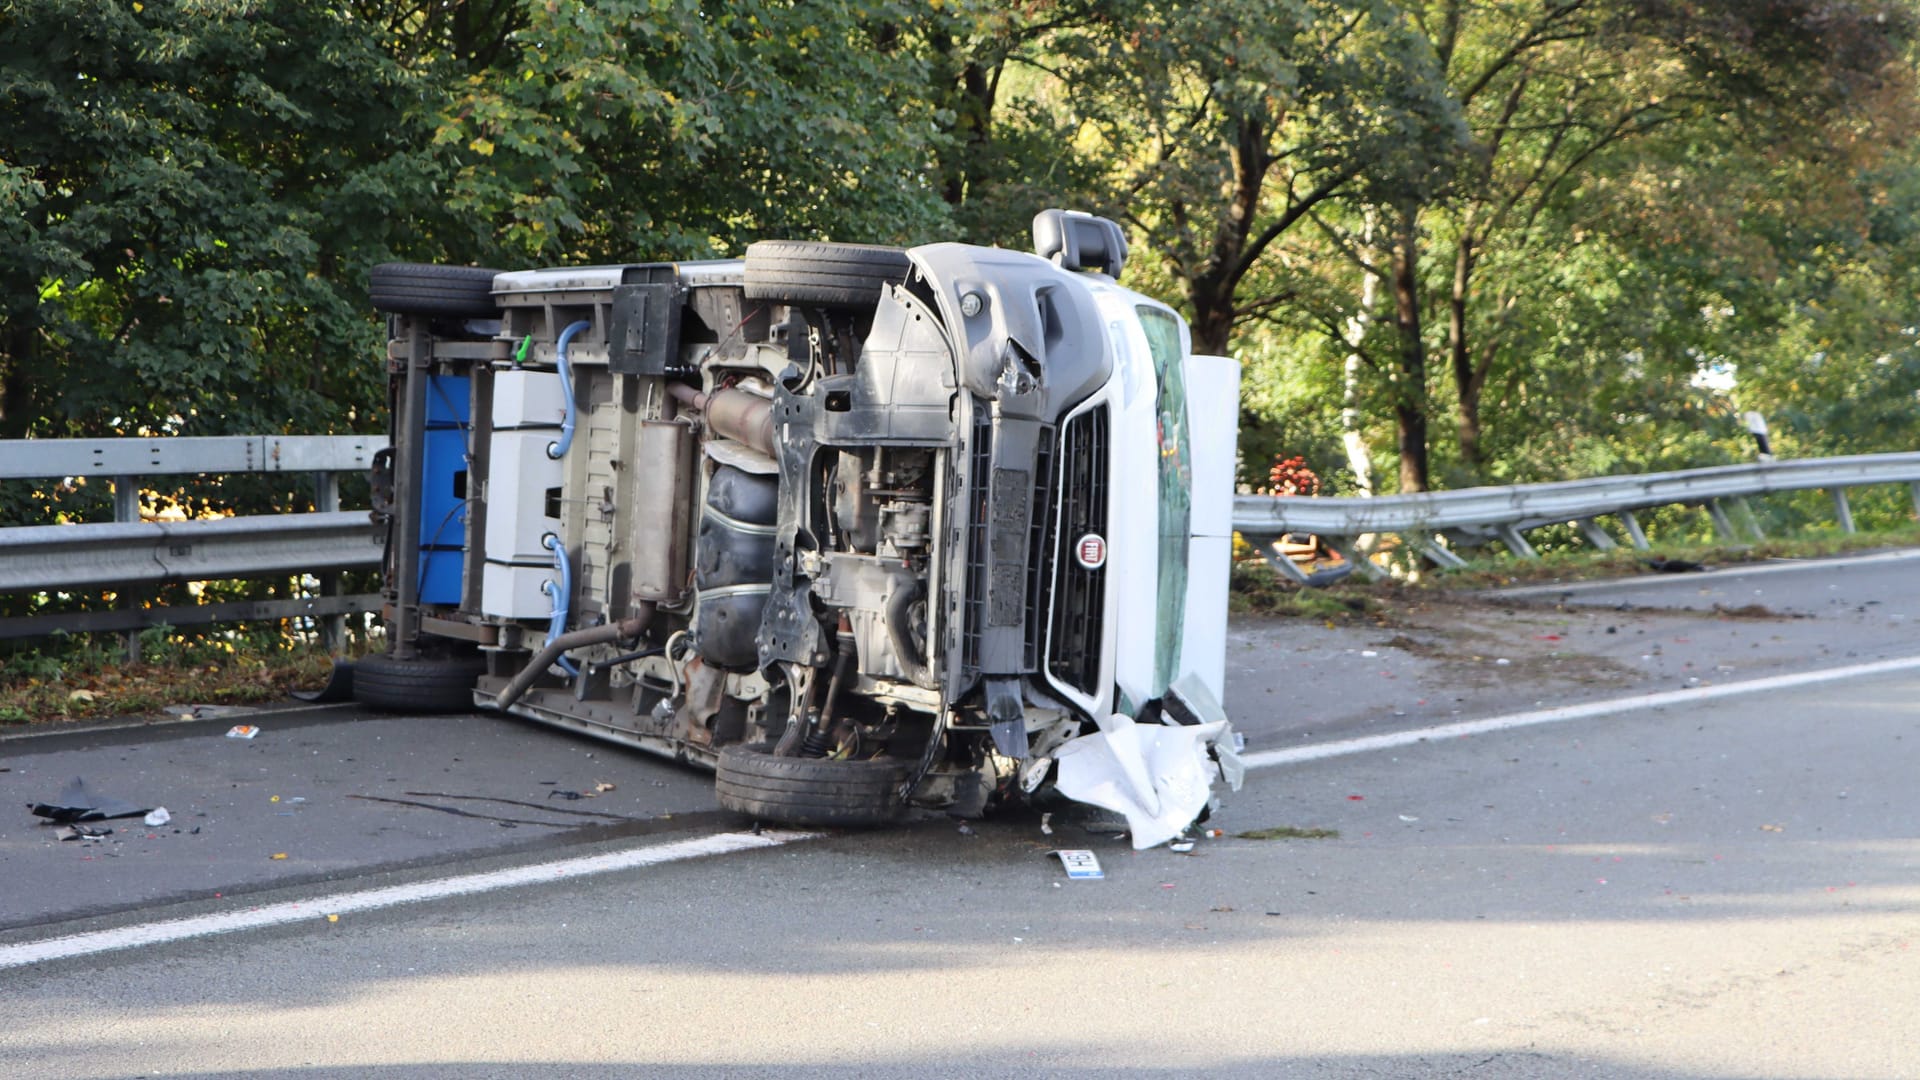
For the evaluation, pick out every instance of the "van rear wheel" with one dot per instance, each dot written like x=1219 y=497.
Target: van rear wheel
x=417 y=685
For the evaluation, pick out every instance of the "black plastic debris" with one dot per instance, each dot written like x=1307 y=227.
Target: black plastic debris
x=76 y=803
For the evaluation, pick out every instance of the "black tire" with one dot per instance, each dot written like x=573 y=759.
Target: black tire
x=419 y=685
x=827 y=275
x=427 y=289
x=808 y=791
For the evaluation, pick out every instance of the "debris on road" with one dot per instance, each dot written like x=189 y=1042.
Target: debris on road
x=1080 y=865
x=158 y=816
x=242 y=731
x=602 y=786
x=1159 y=777
x=81 y=832
x=76 y=803
x=1288 y=832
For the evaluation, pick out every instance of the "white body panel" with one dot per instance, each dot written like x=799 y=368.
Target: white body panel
x=1213 y=400
x=527 y=399
x=1133 y=507
x=515 y=592
x=522 y=473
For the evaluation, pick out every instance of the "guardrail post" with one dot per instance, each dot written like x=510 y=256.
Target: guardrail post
x=1268 y=547
x=1361 y=563
x=1516 y=543
x=333 y=628
x=1430 y=547
x=1721 y=525
x=1634 y=532
x=1841 y=510
x=1596 y=535
x=1752 y=519
x=1913 y=492
x=126 y=507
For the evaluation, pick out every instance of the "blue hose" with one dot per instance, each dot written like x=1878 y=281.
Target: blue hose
x=559 y=597
x=558 y=450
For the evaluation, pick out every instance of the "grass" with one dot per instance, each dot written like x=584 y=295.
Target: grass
x=85 y=682
x=1257 y=590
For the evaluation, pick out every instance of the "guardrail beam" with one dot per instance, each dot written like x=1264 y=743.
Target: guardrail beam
x=49 y=558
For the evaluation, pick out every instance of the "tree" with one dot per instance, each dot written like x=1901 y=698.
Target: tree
x=1558 y=91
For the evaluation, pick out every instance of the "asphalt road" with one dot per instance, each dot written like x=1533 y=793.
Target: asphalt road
x=1710 y=890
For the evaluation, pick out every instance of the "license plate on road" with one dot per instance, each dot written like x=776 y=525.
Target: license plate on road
x=1081 y=865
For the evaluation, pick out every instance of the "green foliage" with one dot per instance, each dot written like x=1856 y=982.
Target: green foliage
x=1538 y=225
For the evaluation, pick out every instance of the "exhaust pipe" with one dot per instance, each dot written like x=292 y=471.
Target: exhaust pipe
x=738 y=415
x=625 y=629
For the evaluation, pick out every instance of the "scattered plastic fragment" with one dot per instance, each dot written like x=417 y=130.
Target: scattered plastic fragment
x=1502 y=662
x=1356 y=798
x=278 y=855
x=1408 y=817
x=1773 y=828
x=76 y=803
x=242 y=731
x=81 y=695
x=1081 y=865
x=1046 y=823
x=1183 y=846
x=158 y=816
x=333 y=918
x=81 y=832
x=603 y=786
x=966 y=829
x=1369 y=653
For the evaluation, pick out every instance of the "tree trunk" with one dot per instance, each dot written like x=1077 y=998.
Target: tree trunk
x=1359 y=461
x=1212 y=320
x=1466 y=382
x=1410 y=378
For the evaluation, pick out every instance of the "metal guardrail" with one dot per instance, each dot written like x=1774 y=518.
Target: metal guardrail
x=1504 y=513
x=129 y=553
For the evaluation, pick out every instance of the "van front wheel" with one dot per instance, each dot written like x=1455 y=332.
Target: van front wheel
x=808 y=791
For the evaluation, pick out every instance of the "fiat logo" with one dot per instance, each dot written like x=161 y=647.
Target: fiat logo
x=1091 y=551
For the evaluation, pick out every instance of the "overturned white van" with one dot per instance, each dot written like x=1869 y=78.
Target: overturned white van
x=856 y=527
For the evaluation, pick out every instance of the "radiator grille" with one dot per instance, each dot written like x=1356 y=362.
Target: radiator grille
x=1079 y=597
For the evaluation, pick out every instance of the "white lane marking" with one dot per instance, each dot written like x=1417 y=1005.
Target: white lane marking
x=1736 y=570
x=319 y=907
x=1295 y=755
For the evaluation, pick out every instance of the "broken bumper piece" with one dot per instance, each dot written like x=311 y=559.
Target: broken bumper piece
x=1158 y=776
